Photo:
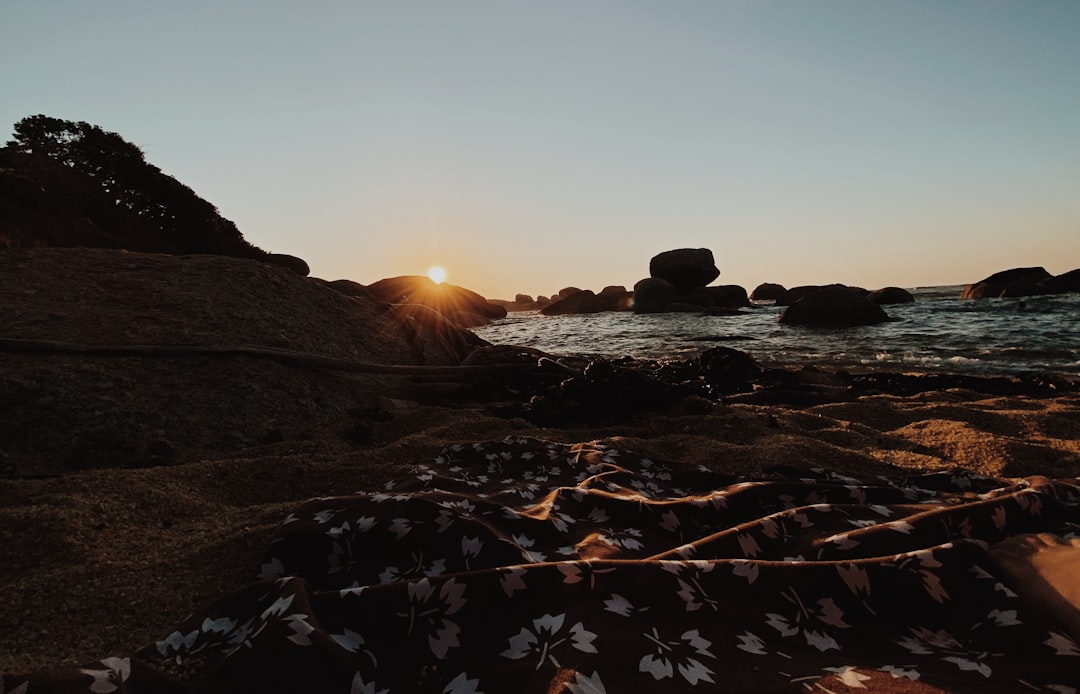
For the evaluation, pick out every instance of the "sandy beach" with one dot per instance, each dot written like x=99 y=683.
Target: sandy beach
x=102 y=560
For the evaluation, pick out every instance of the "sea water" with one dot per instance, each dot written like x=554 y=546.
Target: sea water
x=939 y=332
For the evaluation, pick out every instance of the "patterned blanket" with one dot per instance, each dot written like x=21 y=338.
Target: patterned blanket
x=530 y=566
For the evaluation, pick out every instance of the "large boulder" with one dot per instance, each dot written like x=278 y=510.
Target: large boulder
x=1060 y=284
x=890 y=295
x=834 y=306
x=289 y=262
x=1020 y=281
x=767 y=291
x=653 y=295
x=685 y=268
x=614 y=298
x=583 y=301
x=795 y=293
x=728 y=296
x=447 y=299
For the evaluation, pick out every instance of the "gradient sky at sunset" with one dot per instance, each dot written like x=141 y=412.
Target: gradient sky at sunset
x=527 y=146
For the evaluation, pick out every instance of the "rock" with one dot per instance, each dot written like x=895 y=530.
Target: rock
x=523 y=299
x=728 y=370
x=795 y=293
x=350 y=288
x=999 y=284
x=728 y=296
x=835 y=305
x=890 y=295
x=289 y=262
x=652 y=295
x=584 y=301
x=614 y=298
x=445 y=298
x=685 y=268
x=767 y=291
x=1060 y=284
x=565 y=292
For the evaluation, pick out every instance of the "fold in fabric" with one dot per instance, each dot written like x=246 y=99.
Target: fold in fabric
x=529 y=566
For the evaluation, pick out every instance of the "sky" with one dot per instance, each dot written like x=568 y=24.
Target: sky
x=531 y=146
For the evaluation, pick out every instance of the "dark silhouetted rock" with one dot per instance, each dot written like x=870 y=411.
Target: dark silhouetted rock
x=727 y=370
x=767 y=291
x=652 y=295
x=350 y=288
x=890 y=295
x=583 y=301
x=685 y=268
x=614 y=298
x=565 y=292
x=523 y=299
x=447 y=299
x=1060 y=284
x=835 y=305
x=795 y=293
x=289 y=262
x=728 y=296
x=998 y=284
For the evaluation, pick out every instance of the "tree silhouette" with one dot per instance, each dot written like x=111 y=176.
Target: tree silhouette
x=90 y=174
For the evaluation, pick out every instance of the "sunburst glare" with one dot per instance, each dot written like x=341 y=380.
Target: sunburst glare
x=437 y=274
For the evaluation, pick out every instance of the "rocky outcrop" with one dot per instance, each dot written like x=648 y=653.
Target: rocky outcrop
x=611 y=298
x=462 y=306
x=795 y=293
x=583 y=301
x=834 y=306
x=1061 y=284
x=652 y=295
x=685 y=268
x=890 y=295
x=1020 y=281
x=289 y=262
x=767 y=291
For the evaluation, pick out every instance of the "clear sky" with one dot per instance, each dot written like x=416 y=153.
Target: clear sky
x=528 y=146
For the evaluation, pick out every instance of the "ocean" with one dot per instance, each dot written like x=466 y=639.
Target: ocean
x=938 y=333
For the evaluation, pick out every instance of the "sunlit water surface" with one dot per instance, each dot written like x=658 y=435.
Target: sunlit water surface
x=939 y=332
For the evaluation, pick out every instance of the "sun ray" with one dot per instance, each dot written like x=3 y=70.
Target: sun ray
x=437 y=274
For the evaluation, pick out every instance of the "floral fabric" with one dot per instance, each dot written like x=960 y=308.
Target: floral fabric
x=529 y=566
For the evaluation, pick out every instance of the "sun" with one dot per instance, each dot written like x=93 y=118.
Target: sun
x=437 y=274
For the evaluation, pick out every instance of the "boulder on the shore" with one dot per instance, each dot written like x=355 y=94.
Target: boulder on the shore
x=610 y=298
x=1061 y=284
x=582 y=301
x=449 y=300
x=727 y=296
x=614 y=297
x=890 y=295
x=1020 y=281
x=767 y=291
x=652 y=295
x=834 y=305
x=289 y=262
x=685 y=268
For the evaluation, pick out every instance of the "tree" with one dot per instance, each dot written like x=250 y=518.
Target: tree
x=90 y=172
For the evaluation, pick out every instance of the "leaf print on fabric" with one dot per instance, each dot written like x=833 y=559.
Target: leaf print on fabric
x=545 y=637
x=511 y=580
x=1062 y=644
x=746 y=569
x=428 y=611
x=849 y=676
x=116 y=672
x=940 y=643
x=681 y=654
x=751 y=643
x=463 y=685
x=586 y=684
x=855 y=578
x=809 y=621
x=359 y=686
